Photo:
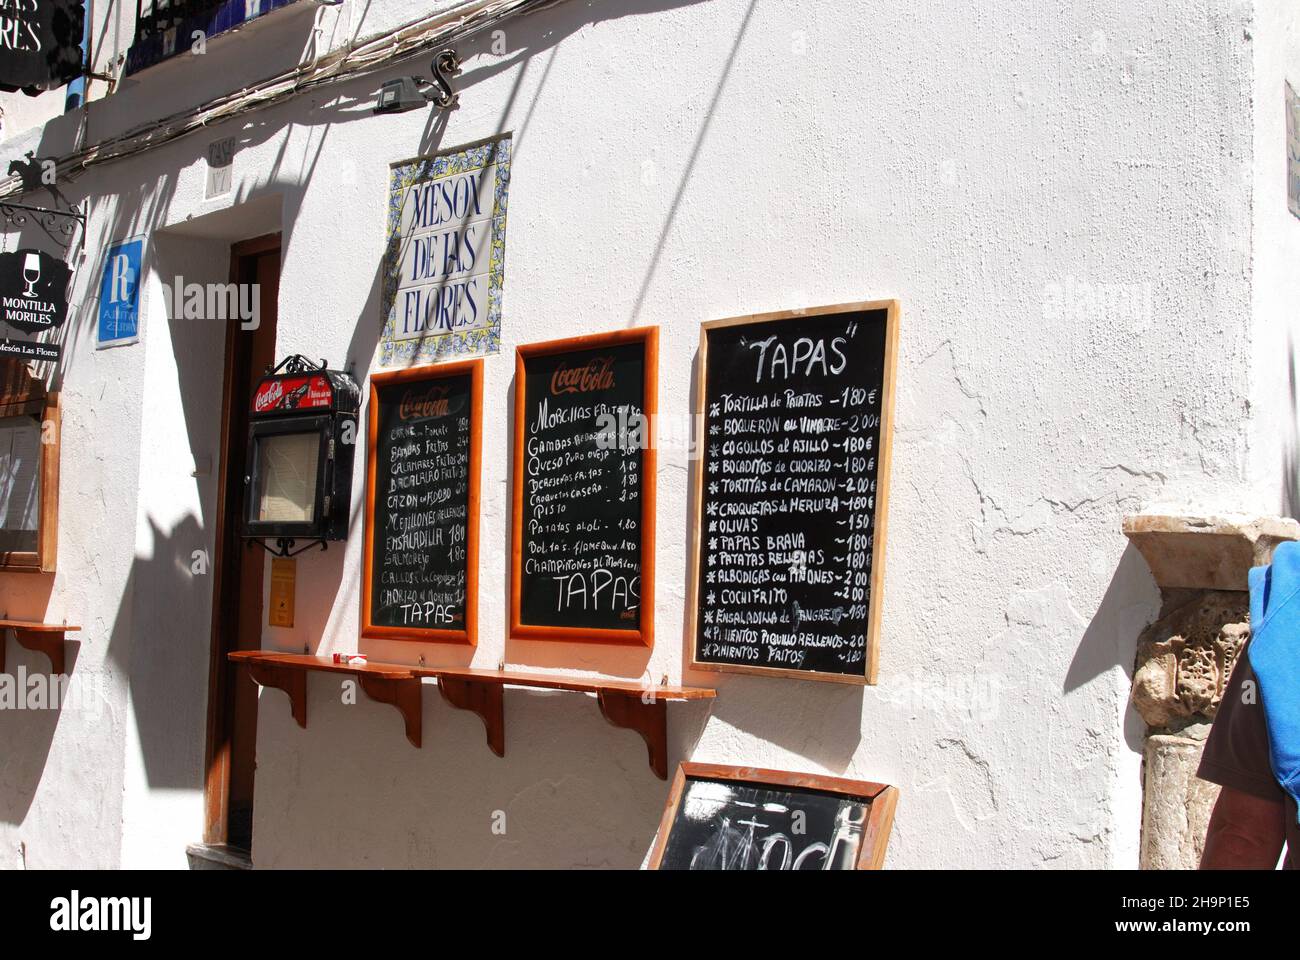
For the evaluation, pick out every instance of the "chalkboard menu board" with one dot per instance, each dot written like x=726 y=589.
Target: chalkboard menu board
x=742 y=818
x=791 y=491
x=584 y=469
x=423 y=461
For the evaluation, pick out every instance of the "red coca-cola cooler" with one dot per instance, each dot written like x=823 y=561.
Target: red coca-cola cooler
x=302 y=436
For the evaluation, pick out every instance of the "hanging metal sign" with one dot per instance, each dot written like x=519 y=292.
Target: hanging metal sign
x=40 y=43
x=33 y=290
x=33 y=299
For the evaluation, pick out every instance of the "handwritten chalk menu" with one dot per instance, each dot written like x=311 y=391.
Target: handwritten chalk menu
x=423 y=461
x=583 y=543
x=791 y=490
x=737 y=818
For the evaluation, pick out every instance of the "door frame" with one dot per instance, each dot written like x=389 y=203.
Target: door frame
x=216 y=787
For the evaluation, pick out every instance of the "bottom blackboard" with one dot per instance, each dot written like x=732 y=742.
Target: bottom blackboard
x=741 y=818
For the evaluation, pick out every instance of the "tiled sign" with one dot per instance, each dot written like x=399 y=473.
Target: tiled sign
x=119 y=295
x=444 y=265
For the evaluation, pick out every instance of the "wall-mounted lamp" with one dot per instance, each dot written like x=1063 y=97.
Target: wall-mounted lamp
x=301 y=438
x=413 y=93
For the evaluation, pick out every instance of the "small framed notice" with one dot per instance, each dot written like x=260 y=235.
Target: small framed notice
x=284 y=579
x=791 y=490
x=582 y=544
x=745 y=818
x=420 y=580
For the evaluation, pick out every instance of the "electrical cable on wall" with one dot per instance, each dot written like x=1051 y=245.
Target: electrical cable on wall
x=355 y=59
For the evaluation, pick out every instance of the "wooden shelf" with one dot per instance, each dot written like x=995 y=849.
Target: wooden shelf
x=46 y=638
x=557 y=682
x=384 y=683
x=623 y=703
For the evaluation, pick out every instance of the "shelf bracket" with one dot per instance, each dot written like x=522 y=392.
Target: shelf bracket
x=402 y=694
x=486 y=700
x=47 y=642
x=292 y=682
x=650 y=719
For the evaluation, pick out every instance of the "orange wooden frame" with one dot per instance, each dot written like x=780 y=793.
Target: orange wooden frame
x=883 y=799
x=44 y=558
x=644 y=635
x=469 y=635
x=884 y=454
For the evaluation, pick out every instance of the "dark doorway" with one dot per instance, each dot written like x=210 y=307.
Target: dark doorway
x=238 y=566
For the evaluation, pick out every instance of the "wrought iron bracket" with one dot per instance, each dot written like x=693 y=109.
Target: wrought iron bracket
x=64 y=222
x=284 y=546
x=296 y=363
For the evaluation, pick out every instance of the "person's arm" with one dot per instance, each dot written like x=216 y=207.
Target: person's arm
x=1246 y=832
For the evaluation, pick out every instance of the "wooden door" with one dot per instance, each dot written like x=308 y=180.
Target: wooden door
x=239 y=565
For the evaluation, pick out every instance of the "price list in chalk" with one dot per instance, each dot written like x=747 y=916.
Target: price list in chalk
x=421 y=508
x=791 y=428
x=581 y=512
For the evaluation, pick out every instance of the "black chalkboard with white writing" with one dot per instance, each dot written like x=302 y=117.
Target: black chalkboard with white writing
x=422 y=523
x=791 y=491
x=735 y=818
x=584 y=489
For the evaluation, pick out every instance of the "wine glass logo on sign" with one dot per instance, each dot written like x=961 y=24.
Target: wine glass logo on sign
x=31 y=273
x=33 y=290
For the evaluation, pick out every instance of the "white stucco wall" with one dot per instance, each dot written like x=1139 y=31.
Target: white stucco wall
x=1068 y=200
x=1275 y=252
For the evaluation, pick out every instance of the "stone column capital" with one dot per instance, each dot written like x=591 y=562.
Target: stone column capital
x=1206 y=552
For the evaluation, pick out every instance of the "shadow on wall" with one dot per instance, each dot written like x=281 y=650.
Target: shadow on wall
x=167 y=649
x=563 y=765
x=1130 y=602
x=28 y=732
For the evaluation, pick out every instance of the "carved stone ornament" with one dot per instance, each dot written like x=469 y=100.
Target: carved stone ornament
x=1185 y=657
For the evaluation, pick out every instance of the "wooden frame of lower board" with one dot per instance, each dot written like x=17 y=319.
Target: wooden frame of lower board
x=872 y=658
x=875 y=838
x=649 y=336
x=378 y=381
x=49 y=415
